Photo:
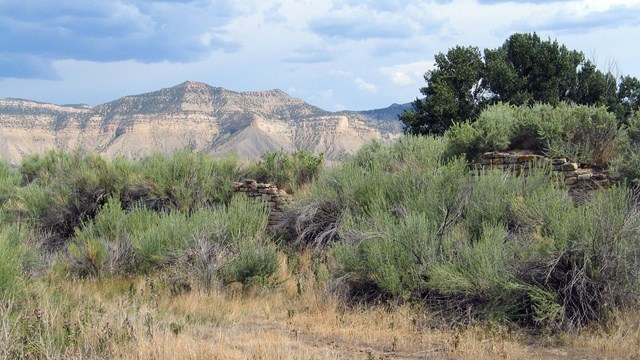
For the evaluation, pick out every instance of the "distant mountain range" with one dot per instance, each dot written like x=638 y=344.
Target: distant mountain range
x=194 y=115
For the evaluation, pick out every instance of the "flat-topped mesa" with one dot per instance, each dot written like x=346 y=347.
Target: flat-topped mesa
x=190 y=115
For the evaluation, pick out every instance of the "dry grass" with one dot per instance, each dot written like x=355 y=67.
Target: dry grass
x=139 y=319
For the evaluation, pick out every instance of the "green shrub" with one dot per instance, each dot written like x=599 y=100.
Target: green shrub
x=12 y=252
x=581 y=133
x=478 y=272
x=184 y=181
x=64 y=190
x=287 y=170
x=464 y=139
x=87 y=256
x=9 y=180
x=254 y=263
x=626 y=162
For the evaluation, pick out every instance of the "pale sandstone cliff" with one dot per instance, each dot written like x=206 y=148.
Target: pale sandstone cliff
x=192 y=115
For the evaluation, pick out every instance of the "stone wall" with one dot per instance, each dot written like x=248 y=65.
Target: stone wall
x=579 y=178
x=278 y=200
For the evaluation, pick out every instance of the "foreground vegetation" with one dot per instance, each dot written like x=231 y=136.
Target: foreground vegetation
x=399 y=250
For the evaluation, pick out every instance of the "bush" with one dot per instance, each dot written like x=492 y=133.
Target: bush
x=594 y=268
x=121 y=242
x=9 y=180
x=288 y=171
x=581 y=133
x=12 y=253
x=62 y=191
x=626 y=162
x=402 y=223
x=254 y=263
x=184 y=181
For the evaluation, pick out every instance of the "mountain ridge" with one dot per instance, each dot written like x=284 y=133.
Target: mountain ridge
x=194 y=115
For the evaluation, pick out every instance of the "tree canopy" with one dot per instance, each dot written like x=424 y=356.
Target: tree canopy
x=524 y=70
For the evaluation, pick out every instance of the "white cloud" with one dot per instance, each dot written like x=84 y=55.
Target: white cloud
x=407 y=74
x=323 y=49
x=365 y=85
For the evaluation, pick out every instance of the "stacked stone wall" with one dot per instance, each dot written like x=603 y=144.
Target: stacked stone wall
x=278 y=200
x=579 y=178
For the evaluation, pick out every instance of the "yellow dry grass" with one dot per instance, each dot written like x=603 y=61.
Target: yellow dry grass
x=139 y=319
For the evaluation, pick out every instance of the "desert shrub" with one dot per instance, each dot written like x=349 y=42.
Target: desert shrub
x=13 y=240
x=62 y=191
x=626 y=161
x=402 y=222
x=183 y=181
x=595 y=267
x=287 y=170
x=121 y=242
x=314 y=223
x=9 y=180
x=464 y=139
x=477 y=274
x=254 y=263
x=582 y=133
x=87 y=256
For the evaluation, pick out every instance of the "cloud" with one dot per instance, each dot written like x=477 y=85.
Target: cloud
x=572 y=22
x=361 y=23
x=365 y=86
x=105 y=31
x=308 y=55
x=407 y=74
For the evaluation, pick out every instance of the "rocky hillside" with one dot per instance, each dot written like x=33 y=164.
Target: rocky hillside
x=193 y=115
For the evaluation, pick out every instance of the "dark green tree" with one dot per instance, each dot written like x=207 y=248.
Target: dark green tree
x=594 y=87
x=453 y=92
x=527 y=70
x=524 y=70
x=628 y=97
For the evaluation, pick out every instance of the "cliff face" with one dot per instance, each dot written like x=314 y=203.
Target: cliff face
x=193 y=115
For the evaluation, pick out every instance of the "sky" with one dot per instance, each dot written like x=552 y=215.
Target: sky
x=335 y=54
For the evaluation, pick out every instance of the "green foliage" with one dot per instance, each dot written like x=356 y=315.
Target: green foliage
x=581 y=133
x=254 y=263
x=13 y=252
x=184 y=181
x=452 y=92
x=121 y=242
x=524 y=70
x=406 y=224
x=626 y=162
x=287 y=170
x=9 y=180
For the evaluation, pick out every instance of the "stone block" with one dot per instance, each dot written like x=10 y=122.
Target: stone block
x=487 y=155
x=571 y=180
x=511 y=159
x=527 y=158
x=497 y=161
x=584 y=177
x=558 y=161
x=569 y=166
x=599 y=176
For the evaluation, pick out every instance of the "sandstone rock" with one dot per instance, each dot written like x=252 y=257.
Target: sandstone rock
x=571 y=180
x=569 y=166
